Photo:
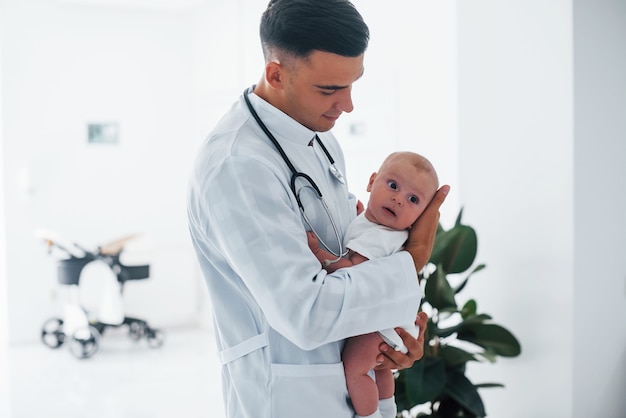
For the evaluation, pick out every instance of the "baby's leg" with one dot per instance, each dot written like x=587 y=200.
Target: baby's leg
x=386 y=388
x=385 y=383
x=359 y=357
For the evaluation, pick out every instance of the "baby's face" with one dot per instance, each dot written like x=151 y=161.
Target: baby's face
x=399 y=193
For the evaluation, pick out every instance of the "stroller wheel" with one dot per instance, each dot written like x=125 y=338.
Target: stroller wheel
x=136 y=331
x=85 y=342
x=52 y=333
x=154 y=338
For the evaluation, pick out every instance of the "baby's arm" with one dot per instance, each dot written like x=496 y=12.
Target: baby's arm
x=328 y=260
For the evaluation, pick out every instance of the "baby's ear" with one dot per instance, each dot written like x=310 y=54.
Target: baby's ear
x=372 y=178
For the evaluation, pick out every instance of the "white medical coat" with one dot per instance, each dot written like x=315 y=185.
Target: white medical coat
x=280 y=320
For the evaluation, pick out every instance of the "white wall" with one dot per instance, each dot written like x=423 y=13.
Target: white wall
x=516 y=152
x=4 y=309
x=542 y=144
x=66 y=65
x=227 y=58
x=600 y=205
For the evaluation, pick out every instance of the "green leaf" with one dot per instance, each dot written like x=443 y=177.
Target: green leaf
x=454 y=356
x=464 y=282
x=461 y=286
x=449 y=310
x=455 y=249
x=489 y=385
x=447 y=407
x=420 y=383
x=458 y=218
x=489 y=355
x=473 y=319
x=478 y=268
x=469 y=309
x=438 y=291
x=491 y=337
x=465 y=393
x=445 y=332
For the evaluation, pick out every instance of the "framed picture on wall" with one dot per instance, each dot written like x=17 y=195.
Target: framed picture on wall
x=102 y=133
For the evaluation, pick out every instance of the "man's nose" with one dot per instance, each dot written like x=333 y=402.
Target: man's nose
x=345 y=101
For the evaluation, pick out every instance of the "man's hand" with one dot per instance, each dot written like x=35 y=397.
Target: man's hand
x=392 y=359
x=423 y=231
x=314 y=245
x=312 y=241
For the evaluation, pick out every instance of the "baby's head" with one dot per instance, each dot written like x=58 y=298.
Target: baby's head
x=401 y=190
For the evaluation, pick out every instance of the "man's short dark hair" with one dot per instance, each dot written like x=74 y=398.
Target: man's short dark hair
x=299 y=27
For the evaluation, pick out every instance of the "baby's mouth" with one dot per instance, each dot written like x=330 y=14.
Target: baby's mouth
x=389 y=211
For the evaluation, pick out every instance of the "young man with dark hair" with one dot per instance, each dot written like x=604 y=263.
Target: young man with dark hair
x=281 y=320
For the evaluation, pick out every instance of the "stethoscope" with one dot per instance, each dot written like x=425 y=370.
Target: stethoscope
x=295 y=174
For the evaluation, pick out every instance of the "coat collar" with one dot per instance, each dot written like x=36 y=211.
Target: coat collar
x=281 y=125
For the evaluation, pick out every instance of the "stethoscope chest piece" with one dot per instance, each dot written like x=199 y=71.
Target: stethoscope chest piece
x=337 y=174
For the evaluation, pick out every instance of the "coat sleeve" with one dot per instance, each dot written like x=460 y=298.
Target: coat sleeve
x=252 y=218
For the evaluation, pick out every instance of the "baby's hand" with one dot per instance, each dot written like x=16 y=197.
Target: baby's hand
x=314 y=244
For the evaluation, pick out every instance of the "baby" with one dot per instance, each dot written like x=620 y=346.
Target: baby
x=399 y=193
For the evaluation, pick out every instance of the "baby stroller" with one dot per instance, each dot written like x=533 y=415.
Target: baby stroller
x=80 y=332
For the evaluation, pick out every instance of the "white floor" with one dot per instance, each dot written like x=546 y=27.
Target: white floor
x=124 y=378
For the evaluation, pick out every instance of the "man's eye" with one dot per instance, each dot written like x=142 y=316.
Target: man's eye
x=414 y=199
x=328 y=92
x=392 y=184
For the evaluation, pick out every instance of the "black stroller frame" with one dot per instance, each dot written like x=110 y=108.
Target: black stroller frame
x=84 y=342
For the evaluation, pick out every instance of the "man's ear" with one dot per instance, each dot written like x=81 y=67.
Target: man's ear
x=372 y=178
x=274 y=74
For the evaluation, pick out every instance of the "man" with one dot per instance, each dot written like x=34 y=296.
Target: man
x=280 y=319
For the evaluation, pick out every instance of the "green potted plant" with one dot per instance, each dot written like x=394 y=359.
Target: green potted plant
x=455 y=335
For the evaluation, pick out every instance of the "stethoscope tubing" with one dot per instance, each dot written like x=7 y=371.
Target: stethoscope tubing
x=295 y=174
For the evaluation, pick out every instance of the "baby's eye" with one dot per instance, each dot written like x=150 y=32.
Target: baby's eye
x=392 y=184
x=414 y=199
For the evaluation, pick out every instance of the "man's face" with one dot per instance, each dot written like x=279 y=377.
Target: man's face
x=316 y=91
